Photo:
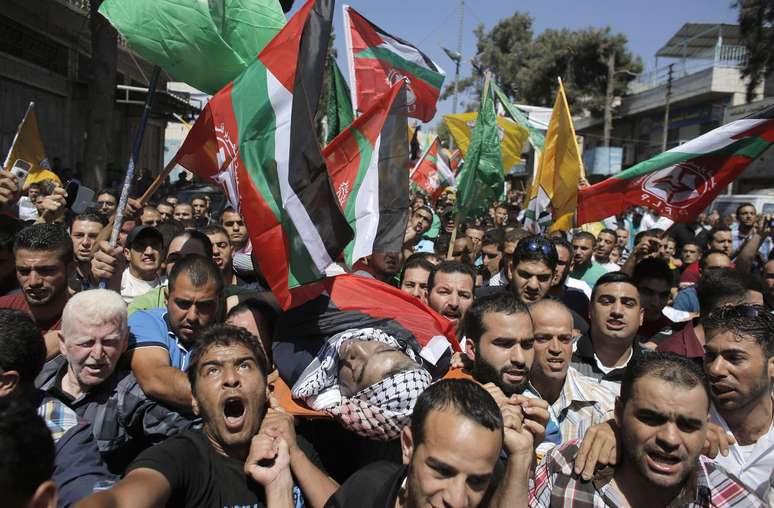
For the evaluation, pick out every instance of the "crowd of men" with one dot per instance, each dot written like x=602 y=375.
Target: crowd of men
x=620 y=364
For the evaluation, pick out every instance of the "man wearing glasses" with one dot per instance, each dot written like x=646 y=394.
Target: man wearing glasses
x=575 y=402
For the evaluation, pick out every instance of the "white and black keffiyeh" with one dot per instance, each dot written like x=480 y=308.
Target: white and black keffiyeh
x=377 y=412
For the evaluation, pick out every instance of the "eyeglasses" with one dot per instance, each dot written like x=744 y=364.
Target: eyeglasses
x=490 y=254
x=746 y=310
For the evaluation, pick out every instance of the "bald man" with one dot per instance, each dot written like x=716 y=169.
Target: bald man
x=576 y=402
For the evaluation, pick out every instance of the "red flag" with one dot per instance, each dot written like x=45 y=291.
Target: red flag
x=431 y=174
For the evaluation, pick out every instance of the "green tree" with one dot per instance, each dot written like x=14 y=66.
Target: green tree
x=756 y=27
x=526 y=67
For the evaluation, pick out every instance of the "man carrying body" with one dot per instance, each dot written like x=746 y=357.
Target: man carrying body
x=227 y=463
x=576 y=402
x=43 y=256
x=89 y=379
x=450 y=290
x=662 y=413
x=449 y=453
x=583 y=265
x=616 y=315
x=161 y=338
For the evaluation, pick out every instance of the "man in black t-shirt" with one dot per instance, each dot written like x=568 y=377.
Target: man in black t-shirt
x=449 y=454
x=228 y=463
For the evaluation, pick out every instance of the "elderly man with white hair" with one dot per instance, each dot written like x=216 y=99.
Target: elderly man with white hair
x=90 y=377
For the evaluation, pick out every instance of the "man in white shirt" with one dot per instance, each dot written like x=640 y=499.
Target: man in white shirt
x=606 y=240
x=143 y=253
x=739 y=363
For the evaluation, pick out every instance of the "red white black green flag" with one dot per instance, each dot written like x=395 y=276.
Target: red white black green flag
x=378 y=60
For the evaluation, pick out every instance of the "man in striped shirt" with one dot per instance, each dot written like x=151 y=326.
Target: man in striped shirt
x=662 y=413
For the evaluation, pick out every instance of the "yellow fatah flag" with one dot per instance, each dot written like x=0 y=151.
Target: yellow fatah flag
x=512 y=136
x=553 y=196
x=27 y=151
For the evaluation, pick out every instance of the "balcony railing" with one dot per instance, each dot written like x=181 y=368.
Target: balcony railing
x=725 y=56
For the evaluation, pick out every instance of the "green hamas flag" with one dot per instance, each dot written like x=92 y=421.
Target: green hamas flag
x=481 y=178
x=339 y=114
x=536 y=138
x=203 y=43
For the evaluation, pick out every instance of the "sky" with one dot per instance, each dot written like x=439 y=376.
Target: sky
x=431 y=24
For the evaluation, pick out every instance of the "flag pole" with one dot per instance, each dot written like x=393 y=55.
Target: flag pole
x=119 y=217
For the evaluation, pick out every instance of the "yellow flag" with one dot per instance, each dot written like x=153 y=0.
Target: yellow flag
x=553 y=196
x=512 y=136
x=27 y=151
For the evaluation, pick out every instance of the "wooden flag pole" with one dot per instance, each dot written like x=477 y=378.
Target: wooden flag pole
x=450 y=250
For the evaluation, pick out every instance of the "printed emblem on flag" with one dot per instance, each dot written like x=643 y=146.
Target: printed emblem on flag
x=680 y=186
x=411 y=98
x=228 y=160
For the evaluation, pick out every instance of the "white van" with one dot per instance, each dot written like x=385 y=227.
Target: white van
x=728 y=203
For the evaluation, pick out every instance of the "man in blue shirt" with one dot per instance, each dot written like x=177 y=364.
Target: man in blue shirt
x=159 y=344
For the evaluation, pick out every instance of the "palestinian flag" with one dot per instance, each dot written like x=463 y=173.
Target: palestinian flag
x=431 y=174
x=351 y=301
x=367 y=163
x=256 y=135
x=377 y=60
x=683 y=181
x=339 y=113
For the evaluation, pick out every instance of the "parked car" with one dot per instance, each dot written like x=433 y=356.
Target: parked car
x=728 y=203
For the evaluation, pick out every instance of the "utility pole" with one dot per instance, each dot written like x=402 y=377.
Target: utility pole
x=458 y=60
x=666 y=108
x=608 y=127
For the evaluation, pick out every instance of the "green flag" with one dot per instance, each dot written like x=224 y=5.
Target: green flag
x=339 y=114
x=481 y=178
x=203 y=43
x=536 y=138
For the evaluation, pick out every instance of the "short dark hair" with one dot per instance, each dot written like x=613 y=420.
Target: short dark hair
x=468 y=398
x=26 y=452
x=705 y=257
x=198 y=196
x=224 y=335
x=653 y=268
x=451 y=266
x=169 y=230
x=754 y=321
x=199 y=271
x=715 y=230
x=670 y=367
x=580 y=235
x=612 y=278
x=649 y=233
x=416 y=261
x=720 y=287
x=557 y=241
x=45 y=237
x=213 y=229
x=109 y=191
x=9 y=228
x=743 y=205
x=505 y=302
x=536 y=248
x=22 y=347
x=91 y=216
x=257 y=305
x=492 y=238
x=609 y=232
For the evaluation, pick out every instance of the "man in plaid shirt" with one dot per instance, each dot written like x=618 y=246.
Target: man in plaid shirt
x=662 y=413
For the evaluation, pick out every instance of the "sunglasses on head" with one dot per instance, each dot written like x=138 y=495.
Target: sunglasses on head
x=537 y=245
x=745 y=310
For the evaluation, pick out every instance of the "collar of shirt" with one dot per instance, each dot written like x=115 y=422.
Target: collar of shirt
x=576 y=391
x=764 y=445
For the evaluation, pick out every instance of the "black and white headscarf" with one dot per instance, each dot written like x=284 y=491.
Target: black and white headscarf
x=379 y=411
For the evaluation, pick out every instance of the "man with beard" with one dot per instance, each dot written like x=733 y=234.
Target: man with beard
x=576 y=402
x=450 y=290
x=616 y=315
x=161 y=338
x=662 y=413
x=449 y=453
x=745 y=225
x=43 y=256
x=227 y=463
x=84 y=232
x=143 y=252
x=739 y=363
x=500 y=346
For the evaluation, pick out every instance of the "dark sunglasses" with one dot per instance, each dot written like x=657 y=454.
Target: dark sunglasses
x=745 y=310
x=534 y=245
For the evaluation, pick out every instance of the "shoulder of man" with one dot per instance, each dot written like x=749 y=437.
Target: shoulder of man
x=724 y=489
x=367 y=483
x=148 y=327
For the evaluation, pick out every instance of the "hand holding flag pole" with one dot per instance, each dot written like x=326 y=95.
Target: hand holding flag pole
x=119 y=217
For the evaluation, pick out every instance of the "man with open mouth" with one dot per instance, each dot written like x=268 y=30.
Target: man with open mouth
x=662 y=413
x=228 y=462
x=450 y=290
x=143 y=252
